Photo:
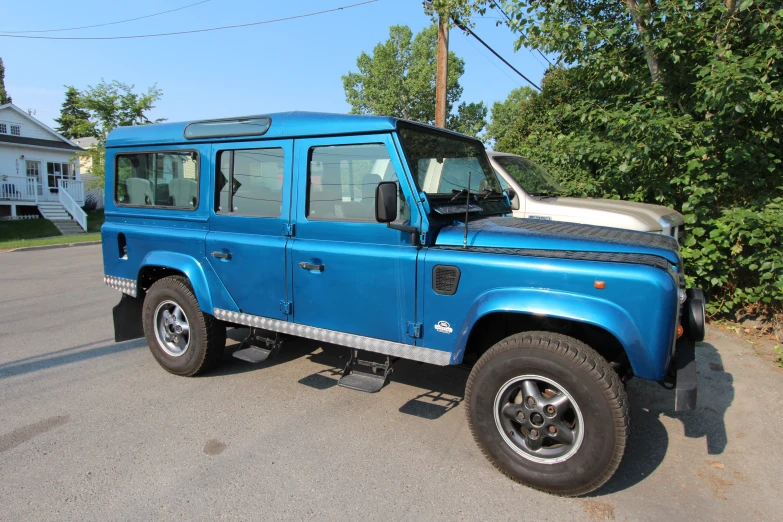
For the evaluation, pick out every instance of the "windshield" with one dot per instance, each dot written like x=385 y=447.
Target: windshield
x=442 y=163
x=531 y=177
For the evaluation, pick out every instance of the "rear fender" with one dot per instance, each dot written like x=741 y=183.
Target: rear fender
x=560 y=305
x=189 y=266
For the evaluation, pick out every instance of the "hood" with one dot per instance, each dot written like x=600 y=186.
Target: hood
x=533 y=234
x=649 y=215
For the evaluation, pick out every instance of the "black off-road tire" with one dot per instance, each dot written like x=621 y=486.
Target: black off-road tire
x=580 y=371
x=207 y=334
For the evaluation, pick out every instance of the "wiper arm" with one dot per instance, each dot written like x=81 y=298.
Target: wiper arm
x=457 y=193
x=490 y=192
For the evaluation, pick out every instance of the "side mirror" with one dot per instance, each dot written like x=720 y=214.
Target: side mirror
x=386 y=202
x=513 y=197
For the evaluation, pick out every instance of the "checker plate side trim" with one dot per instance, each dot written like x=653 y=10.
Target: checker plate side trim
x=126 y=286
x=360 y=342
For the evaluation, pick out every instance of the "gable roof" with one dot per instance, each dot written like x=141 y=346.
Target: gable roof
x=56 y=134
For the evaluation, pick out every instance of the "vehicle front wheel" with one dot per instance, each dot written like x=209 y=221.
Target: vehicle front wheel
x=183 y=339
x=549 y=412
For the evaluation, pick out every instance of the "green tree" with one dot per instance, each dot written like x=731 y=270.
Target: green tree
x=398 y=79
x=673 y=102
x=4 y=97
x=110 y=105
x=72 y=114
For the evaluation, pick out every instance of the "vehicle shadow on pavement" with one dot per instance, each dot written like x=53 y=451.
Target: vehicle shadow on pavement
x=67 y=356
x=649 y=439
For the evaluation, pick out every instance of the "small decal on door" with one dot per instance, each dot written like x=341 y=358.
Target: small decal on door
x=443 y=327
x=543 y=218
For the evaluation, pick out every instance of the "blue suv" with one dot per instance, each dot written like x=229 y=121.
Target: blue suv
x=395 y=240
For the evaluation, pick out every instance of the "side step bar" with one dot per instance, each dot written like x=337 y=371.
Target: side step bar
x=260 y=349
x=366 y=376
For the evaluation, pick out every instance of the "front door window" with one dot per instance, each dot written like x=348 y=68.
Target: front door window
x=33 y=171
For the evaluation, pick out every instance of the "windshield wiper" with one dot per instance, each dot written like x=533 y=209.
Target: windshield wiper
x=491 y=192
x=457 y=193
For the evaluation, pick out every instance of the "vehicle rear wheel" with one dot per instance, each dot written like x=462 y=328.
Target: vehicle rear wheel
x=549 y=412
x=183 y=339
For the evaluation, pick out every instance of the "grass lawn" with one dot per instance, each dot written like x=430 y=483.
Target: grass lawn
x=58 y=240
x=26 y=229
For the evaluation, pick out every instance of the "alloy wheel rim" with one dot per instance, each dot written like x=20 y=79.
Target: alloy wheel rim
x=539 y=419
x=172 y=328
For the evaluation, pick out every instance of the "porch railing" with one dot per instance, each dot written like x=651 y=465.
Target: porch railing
x=74 y=188
x=70 y=204
x=20 y=188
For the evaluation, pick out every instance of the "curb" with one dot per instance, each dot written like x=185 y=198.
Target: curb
x=49 y=247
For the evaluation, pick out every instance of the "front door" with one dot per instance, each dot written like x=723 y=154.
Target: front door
x=351 y=273
x=250 y=212
x=35 y=178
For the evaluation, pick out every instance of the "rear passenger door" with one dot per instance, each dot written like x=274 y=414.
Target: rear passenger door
x=248 y=221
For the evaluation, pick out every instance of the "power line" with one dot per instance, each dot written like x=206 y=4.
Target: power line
x=510 y=21
x=489 y=60
x=469 y=31
x=294 y=17
x=108 y=23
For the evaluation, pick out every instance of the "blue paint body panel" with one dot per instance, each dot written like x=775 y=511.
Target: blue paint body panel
x=375 y=283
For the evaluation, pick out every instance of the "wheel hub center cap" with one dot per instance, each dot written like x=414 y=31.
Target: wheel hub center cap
x=537 y=419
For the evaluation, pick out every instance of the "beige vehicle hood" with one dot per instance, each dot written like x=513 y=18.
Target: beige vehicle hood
x=650 y=215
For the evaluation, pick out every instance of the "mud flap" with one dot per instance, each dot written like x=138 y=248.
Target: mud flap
x=127 y=319
x=687 y=380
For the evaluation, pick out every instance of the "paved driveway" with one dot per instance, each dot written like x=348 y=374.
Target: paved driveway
x=90 y=429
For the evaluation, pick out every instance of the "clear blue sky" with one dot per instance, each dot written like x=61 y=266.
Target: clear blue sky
x=291 y=65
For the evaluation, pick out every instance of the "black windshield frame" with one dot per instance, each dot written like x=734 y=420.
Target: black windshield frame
x=419 y=142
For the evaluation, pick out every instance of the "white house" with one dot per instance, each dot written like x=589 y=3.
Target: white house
x=94 y=190
x=38 y=169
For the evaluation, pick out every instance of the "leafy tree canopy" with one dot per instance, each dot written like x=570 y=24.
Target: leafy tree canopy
x=71 y=114
x=668 y=101
x=109 y=105
x=4 y=97
x=398 y=79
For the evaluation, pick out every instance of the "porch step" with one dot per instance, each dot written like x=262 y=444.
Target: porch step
x=53 y=211
x=68 y=228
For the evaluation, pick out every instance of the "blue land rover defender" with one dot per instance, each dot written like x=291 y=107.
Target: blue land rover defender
x=392 y=237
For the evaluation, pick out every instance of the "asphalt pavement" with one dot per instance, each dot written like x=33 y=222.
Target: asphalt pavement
x=96 y=430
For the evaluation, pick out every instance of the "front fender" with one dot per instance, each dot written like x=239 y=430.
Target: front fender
x=189 y=266
x=561 y=305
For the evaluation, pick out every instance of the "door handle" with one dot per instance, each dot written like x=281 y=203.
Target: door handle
x=310 y=266
x=221 y=255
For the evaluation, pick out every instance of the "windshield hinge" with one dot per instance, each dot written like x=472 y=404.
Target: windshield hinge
x=413 y=330
x=286 y=307
x=288 y=229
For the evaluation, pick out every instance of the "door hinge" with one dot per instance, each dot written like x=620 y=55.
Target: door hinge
x=413 y=330
x=286 y=307
x=288 y=229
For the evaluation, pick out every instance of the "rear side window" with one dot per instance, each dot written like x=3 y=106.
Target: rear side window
x=341 y=182
x=249 y=182
x=157 y=179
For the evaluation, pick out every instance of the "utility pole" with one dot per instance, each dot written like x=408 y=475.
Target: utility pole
x=442 y=70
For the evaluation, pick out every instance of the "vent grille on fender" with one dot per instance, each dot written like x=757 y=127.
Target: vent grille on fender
x=445 y=279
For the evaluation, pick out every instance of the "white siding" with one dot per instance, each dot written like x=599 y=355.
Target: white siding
x=29 y=128
x=11 y=163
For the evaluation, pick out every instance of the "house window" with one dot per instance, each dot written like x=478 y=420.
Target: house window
x=58 y=171
x=16 y=130
x=3 y=128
